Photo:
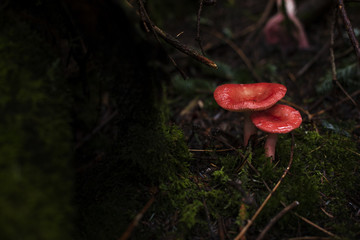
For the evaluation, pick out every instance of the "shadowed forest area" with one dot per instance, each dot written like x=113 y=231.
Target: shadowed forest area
x=111 y=130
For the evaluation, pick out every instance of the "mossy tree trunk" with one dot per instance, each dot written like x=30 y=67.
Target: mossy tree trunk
x=99 y=49
x=35 y=137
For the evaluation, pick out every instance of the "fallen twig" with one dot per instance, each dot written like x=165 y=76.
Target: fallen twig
x=264 y=16
x=221 y=227
x=310 y=238
x=229 y=145
x=97 y=129
x=183 y=48
x=146 y=20
x=138 y=217
x=308 y=114
x=251 y=221
x=317 y=226
x=207 y=213
x=313 y=60
x=276 y=218
x=212 y=150
x=240 y=52
x=172 y=40
x=332 y=59
x=198 y=38
x=349 y=28
x=336 y=104
x=249 y=29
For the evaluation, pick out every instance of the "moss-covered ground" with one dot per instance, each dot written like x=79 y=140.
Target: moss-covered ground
x=228 y=187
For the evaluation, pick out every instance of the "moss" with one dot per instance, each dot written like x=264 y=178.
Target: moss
x=36 y=188
x=145 y=152
x=118 y=188
x=220 y=176
x=322 y=176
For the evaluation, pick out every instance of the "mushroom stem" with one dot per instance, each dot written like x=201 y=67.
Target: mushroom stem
x=301 y=35
x=249 y=128
x=270 y=145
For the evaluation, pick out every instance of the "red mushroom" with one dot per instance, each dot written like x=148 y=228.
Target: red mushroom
x=275 y=32
x=278 y=119
x=248 y=98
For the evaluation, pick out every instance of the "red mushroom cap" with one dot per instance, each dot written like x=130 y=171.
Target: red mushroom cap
x=248 y=97
x=278 y=119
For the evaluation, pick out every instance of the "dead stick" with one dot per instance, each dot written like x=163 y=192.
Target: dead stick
x=310 y=238
x=227 y=144
x=240 y=52
x=97 y=129
x=137 y=219
x=276 y=218
x=207 y=213
x=298 y=107
x=253 y=28
x=332 y=59
x=336 y=104
x=183 y=48
x=198 y=38
x=251 y=221
x=173 y=41
x=317 y=226
x=146 y=20
x=265 y=15
x=349 y=28
x=212 y=150
x=313 y=60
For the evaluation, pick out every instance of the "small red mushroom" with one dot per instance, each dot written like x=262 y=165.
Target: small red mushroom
x=278 y=119
x=275 y=31
x=248 y=98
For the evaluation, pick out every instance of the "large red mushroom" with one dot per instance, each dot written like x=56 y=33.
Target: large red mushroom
x=278 y=119
x=248 y=98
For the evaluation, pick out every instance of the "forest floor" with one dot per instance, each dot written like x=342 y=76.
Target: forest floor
x=323 y=154
x=149 y=166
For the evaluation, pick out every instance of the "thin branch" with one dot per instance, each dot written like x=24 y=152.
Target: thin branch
x=251 y=221
x=313 y=60
x=308 y=114
x=207 y=213
x=229 y=145
x=221 y=228
x=332 y=58
x=138 y=217
x=240 y=52
x=183 y=48
x=198 y=38
x=146 y=20
x=172 y=40
x=4 y=4
x=249 y=29
x=265 y=15
x=276 y=218
x=317 y=226
x=310 y=238
x=349 y=28
x=97 y=129
x=336 y=104
x=212 y=150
